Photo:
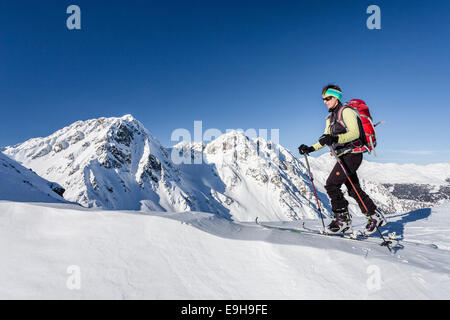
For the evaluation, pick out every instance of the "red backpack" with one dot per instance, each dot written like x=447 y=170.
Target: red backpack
x=369 y=139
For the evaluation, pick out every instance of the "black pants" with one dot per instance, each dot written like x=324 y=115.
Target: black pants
x=337 y=177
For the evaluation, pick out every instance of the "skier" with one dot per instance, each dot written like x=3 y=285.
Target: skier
x=342 y=138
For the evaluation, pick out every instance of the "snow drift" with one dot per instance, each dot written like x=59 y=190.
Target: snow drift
x=195 y=255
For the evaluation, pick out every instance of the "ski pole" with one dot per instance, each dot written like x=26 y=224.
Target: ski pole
x=348 y=177
x=385 y=243
x=314 y=188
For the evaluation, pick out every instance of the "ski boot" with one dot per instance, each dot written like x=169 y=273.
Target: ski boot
x=342 y=223
x=374 y=221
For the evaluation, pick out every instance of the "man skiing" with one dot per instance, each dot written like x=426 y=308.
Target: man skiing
x=343 y=134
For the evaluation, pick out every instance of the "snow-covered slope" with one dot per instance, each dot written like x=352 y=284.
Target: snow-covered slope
x=77 y=253
x=18 y=183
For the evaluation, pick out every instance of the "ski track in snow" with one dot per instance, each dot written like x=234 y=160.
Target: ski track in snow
x=195 y=255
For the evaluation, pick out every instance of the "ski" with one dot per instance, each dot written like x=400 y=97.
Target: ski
x=392 y=237
x=391 y=242
x=394 y=242
x=312 y=232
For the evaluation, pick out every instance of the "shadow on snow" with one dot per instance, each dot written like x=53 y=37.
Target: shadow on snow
x=398 y=226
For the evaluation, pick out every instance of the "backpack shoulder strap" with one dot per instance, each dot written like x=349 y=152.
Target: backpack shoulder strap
x=340 y=118
x=346 y=106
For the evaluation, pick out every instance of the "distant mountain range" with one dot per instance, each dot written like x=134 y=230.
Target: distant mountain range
x=116 y=163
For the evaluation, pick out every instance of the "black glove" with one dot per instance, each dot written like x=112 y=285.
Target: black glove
x=328 y=139
x=304 y=149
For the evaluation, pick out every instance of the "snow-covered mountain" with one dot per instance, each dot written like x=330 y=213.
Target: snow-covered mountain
x=21 y=184
x=116 y=163
x=253 y=177
x=113 y=163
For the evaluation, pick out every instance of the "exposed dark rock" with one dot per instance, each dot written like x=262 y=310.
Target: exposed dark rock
x=123 y=135
x=419 y=192
x=57 y=188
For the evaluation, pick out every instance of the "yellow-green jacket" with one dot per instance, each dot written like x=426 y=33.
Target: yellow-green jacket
x=350 y=118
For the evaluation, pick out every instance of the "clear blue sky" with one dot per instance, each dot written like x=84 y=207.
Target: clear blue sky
x=231 y=64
